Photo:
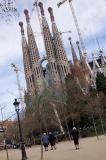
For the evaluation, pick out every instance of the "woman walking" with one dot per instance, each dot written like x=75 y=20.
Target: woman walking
x=45 y=141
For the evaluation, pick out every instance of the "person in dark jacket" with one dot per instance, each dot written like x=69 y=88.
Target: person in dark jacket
x=45 y=141
x=52 y=141
x=75 y=136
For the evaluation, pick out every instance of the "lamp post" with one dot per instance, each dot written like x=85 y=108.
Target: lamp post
x=24 y=156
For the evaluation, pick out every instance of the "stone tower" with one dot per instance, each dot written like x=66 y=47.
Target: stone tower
x=37 y=70
x=79 y=75
x=84 y=66
x=60 y=53
x=27 y=64
x=48 y=40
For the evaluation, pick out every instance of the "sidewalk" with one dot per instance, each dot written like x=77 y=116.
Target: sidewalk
x=90 y=149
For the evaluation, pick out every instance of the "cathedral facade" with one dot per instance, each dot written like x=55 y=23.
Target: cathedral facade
x=58 y=67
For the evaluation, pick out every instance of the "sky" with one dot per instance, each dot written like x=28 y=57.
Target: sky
x=91 y=15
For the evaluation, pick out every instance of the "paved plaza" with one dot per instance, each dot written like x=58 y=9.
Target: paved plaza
x=90 y=149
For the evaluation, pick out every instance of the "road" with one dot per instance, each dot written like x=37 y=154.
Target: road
x=90 y=149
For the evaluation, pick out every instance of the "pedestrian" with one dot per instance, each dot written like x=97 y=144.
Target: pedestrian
x=75 y=136
x=52 y=140
x=45 y=141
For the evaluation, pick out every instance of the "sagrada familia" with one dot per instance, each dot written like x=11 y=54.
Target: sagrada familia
x=58 y=66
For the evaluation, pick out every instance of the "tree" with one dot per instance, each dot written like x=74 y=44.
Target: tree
x=76 y=100
x=8 y=10
x=101 y=82
x=95 y=110
x=12 y=131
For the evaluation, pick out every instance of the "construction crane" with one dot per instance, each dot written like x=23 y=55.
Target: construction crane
x=96 y=64
x=76 y=23
x=35 y=5
x=65 y=32
x=18 y=84
x=36 y=34
x=79 y=33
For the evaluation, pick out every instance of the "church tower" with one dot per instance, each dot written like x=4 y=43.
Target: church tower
x=85 y=66
x=37 y=70
x=60 y=53
x=48 y=40
x=27 y=63
x=79 y=75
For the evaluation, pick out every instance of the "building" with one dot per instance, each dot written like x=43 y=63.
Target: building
x=98 y=63
x=86 y=71
x=60 y=53
x=57 y=68
x=5 y=125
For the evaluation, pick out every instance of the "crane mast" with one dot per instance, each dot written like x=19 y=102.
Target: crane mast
x=79 y=33
x=38 y=14
x=18 y=83
x=76 y=23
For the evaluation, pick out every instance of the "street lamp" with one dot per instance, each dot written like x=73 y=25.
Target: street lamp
x=24 y=156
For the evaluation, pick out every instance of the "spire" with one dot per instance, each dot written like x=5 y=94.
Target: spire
x=44 y=21
x=50 y=51
x=79 y=49
x=24 y=46
x=77 y=70
x=26 y=61
x=96 y=65
x=50 y=10
x=41 y=8
x=24 y=42
x=27 y=15
x=101 y=52
x=31 y=37
x=73 y=51
x=60 y=53
x=34 y=56
x=22 y=29
x=103 y=59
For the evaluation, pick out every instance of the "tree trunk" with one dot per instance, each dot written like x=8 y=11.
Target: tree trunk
x=58 y=119
x=101 y=121
x=40 y=128
x=95 y=127
x=67 y=127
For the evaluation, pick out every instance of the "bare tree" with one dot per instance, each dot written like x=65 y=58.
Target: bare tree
x=8 y=10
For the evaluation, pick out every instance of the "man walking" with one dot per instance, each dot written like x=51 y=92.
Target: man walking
x=75 y=136
x=52 y=141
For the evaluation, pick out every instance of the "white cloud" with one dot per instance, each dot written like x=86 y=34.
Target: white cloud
x=10 y=44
